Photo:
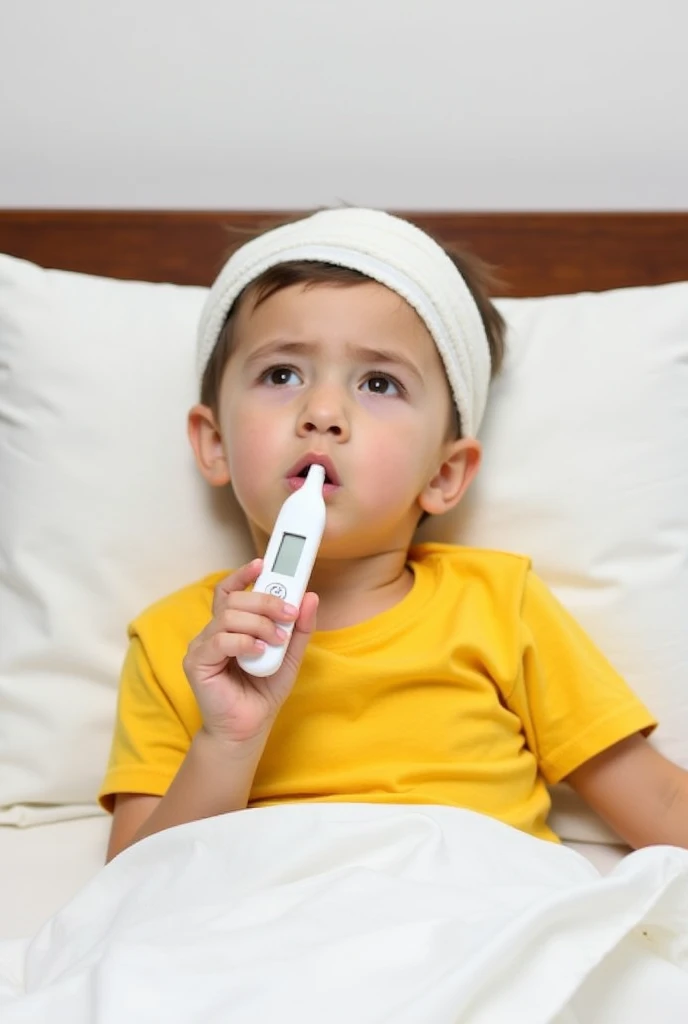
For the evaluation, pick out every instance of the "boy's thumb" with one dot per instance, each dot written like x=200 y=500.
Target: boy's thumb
x=303 y=627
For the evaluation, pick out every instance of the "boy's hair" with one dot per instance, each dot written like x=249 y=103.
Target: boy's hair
x=477 y=275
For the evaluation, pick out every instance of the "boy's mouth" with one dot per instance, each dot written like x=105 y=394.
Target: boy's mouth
x=299 y=471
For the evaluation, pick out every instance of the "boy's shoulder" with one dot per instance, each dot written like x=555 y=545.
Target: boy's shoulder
x=499 y=579
x=471 y=560
x=186 y=607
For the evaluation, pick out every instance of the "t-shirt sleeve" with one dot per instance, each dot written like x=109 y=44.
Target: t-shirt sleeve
x=572 y=702
x=150 y=739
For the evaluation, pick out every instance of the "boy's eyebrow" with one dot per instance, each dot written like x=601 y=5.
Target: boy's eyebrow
x=361 y=352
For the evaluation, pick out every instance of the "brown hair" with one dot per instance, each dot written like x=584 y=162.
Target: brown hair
x=477 y=275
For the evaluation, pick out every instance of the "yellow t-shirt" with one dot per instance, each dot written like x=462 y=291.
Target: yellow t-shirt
x=474 y=691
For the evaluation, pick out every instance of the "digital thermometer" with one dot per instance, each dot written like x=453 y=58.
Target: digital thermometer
x=289 y=561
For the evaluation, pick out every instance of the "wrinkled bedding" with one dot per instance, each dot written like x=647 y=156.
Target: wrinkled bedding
x=341 y=913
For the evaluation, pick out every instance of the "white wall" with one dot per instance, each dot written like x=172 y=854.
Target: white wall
x=494 y=104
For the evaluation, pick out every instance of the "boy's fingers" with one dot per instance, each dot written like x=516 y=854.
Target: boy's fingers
x=238 y=580
x=213 y=653
x=236 y=621
x=246 y=602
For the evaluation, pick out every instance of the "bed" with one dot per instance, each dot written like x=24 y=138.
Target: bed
x=52 y=837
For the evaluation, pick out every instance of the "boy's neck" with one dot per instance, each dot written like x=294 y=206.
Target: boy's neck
x=353 y=591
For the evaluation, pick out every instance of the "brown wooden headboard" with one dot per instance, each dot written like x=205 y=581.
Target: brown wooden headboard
x=534 y=253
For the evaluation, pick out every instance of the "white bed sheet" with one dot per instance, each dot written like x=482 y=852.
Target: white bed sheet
x=42 y=867
x=437 y=914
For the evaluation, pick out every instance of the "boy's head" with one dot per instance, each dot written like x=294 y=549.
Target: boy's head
x=349 y=336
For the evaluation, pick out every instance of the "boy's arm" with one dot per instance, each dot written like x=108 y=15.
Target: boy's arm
x=237 y=709
x=642 y=795
x=214 y=778
x=129 y=812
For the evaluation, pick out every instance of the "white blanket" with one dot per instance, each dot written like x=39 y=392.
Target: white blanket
x=359 y=914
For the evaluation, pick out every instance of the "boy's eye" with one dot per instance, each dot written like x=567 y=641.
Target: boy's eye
x=382 y=384
x=279 y=376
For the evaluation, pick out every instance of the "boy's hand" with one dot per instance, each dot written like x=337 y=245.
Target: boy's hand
x=237 y=706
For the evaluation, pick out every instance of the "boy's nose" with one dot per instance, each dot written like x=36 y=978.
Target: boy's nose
x=324 y=412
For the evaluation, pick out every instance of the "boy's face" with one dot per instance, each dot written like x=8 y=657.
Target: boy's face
x=350 y=374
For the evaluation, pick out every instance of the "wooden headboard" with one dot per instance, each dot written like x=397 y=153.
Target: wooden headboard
x=534 y=253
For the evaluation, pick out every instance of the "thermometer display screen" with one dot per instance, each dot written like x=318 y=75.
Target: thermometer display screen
x=288 y=554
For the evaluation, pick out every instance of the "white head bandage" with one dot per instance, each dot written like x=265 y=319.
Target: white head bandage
x=391 y=251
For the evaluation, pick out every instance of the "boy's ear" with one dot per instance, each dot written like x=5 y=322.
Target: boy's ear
x=461 y=461
x=206 y=441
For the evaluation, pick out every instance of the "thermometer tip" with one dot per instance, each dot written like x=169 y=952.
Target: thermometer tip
x=316 y=476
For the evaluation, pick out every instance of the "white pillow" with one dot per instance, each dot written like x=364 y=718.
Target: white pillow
x=102 y=510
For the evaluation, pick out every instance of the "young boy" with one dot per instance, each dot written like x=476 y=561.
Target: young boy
x=437 y=674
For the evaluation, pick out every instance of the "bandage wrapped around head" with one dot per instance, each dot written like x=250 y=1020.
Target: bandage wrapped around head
x=391 y=251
